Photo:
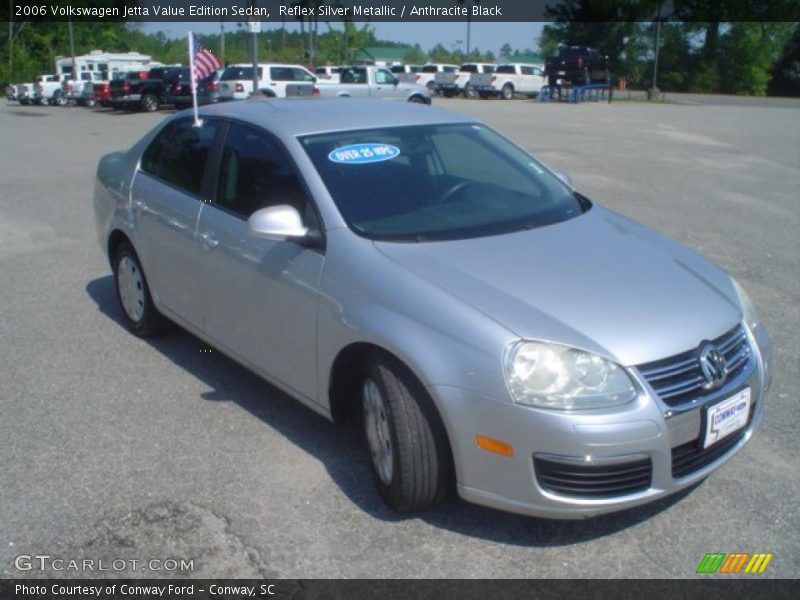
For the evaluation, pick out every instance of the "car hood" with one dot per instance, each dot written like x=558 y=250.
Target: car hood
x=599 y=282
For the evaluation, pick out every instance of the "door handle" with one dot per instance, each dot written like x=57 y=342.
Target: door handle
x=175 y=224
x=208 y=241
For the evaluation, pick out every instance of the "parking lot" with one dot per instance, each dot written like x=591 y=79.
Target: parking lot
x=114 y=447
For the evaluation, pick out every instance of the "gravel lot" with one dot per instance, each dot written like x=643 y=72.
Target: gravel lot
x=113 y=447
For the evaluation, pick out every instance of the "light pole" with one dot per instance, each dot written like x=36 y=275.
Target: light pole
x=255 y=27
x=653 y=92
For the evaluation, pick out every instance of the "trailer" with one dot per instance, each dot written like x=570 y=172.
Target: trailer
x=101 y=62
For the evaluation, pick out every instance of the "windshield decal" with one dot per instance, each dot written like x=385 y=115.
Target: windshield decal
x=360 y=154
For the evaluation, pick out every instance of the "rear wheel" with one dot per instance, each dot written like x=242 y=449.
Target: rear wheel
x=149 y=103
x=405 y=436
x=469 y=91
x=431 y=88
x=133 y=293
x=507 y=93
x=417 y=99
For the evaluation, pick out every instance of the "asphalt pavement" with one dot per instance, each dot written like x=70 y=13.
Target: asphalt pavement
x=112 y=447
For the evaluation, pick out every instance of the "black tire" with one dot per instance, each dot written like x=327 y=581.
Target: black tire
x=149 y=322
x=149 y=103
x=417 y=443
x=90 y=103
x=469 y=91
x=507 y=93
x=433 y=90
x=417 y=100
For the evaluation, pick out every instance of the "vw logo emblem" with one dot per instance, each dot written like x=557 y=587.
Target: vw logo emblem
x=713 y=366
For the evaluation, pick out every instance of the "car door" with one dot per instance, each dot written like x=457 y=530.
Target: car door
x=166 y=199
x=260 y=296
x=384 y=86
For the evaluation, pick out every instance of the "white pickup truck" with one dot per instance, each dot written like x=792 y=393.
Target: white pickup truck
x=428 y=72
x=236 y=82
x=373 y=82
x=509 y=80
x=77 y=91
x=452 y=83
x=25 y=93
x=48 y=89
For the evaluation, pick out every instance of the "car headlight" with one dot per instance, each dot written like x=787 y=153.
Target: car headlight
x=559 y=377
x=750 y=316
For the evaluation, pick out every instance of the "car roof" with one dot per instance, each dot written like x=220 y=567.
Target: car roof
x=293 y=117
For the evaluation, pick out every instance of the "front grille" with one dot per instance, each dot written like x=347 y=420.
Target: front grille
x=593 y=481
x=691 y=457
x=678 y=379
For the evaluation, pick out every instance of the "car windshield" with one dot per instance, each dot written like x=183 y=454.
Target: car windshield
x=437 y=182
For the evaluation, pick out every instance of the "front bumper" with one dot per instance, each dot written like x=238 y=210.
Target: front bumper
x=611 y=442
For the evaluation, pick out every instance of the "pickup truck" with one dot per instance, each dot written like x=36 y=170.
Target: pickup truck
x=72 y=90
x=406 y=73
x=508 y=80
x=25 y=93
x=236 y=82
x=179 y=88
x=362 y=81
x=48 y=90
x=577 y=65
x=451 y=83
x=102 y=91
x=136 y=93
x=428 y=72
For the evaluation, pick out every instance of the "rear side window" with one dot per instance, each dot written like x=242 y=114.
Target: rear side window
x=354 y=75
x=430 y=69
x=506 y=70
x=234 y=73
x=178 y=155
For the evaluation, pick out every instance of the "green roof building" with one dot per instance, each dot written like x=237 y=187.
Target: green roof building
x=379 y=55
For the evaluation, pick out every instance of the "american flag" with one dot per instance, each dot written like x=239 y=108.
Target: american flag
x=205 y=63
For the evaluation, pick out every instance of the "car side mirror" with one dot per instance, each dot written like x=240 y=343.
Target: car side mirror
x=565 y=178
x=278 y=223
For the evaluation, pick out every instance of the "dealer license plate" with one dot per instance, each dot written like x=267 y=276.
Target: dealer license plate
x=726 y=417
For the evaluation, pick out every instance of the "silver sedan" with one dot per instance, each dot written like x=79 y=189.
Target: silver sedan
x=410 y=268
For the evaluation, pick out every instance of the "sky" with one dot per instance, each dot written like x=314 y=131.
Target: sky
x=484 y=36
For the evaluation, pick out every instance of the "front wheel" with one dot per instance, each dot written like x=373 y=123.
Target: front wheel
x=133 y=293
x=405 y=436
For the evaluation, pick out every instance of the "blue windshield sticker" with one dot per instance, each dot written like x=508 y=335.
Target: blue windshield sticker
x=361 y=154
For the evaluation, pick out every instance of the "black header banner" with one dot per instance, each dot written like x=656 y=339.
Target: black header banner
x=360 y=589
x=361 y=11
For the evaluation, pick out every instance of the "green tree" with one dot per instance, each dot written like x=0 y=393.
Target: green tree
x=785 y=73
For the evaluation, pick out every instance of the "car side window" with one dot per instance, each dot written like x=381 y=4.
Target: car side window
x=527 y=70
x=383 y=77
x=281 y=74
x=179 y=154
x=301 y=75
x=255 y=172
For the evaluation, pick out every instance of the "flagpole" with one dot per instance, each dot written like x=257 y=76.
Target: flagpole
x=193 y=79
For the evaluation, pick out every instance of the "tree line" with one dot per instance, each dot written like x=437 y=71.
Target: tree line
x=726 y=46
x=737 y=57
